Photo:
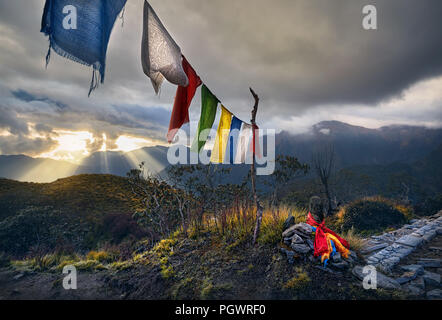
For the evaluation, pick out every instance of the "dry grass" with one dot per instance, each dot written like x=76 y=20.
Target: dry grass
x=356 y=242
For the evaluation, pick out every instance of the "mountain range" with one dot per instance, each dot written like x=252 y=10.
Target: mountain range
x=353 y=145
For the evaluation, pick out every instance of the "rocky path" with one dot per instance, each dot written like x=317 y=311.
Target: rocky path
x=409 y=258
x=387 y=250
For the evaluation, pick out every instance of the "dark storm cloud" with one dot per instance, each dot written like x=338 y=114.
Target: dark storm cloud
x=27 y=97
x=20 y=144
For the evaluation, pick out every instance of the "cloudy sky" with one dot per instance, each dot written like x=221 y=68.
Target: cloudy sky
x=309 y=60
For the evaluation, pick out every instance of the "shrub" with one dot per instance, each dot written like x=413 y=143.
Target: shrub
x=4 y=260
x=121 y=265
x=167 y=271
x=212 y=291
x=429 y=206
x=186 y=289
x=300 y=281
x=119 y=226
x=371 y=214
x=101 y=256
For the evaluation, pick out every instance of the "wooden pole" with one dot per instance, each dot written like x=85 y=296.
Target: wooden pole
x=253 y=174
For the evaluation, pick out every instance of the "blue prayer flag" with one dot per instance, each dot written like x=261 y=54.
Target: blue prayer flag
x=80 y=30
x=232 y=141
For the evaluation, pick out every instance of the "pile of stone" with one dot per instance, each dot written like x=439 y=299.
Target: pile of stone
x=300 y=238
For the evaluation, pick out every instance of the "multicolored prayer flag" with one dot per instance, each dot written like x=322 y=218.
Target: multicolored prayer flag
x=222 y=135
x=183 y=99
x=209 y=104
x=160 y=55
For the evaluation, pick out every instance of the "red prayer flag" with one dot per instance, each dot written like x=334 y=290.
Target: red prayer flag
x=255 y=143
x=183 y=98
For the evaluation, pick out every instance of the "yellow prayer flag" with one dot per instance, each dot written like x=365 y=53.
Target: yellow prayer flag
x=222 y=136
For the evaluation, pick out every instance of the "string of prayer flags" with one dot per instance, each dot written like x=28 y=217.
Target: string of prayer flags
x=243 y=143
x=160 y=55
x=209 y=104
x=183 y=98
x=232 y=142
x=255 y=145
x=222 y=136
x=80 y=30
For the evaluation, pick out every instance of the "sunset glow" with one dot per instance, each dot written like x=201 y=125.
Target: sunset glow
x=128 y=143
x=73 y=146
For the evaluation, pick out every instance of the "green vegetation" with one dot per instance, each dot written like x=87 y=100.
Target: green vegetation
x=372 y=214
x=299 y=281
x=73 y=214
x=188 y=239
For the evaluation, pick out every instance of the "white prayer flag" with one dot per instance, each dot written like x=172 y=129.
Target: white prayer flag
x=160 y=55
x=244 y=138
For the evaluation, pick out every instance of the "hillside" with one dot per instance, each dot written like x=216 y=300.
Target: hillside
x=77 y=212
x=86 y=194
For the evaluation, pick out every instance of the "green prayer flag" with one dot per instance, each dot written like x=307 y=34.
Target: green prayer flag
x=208 y=112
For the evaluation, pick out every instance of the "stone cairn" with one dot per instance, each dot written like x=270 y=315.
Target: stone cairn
x=300 y=238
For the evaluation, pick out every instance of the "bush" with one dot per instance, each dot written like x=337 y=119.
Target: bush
x=300 y=281
x=119 y=226
x=429 y=206
x=4 y=260
x=101 y=256
x=371 y=214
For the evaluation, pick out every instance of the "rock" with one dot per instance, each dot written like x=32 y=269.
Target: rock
x=382 y=280
x=288 y=241
x=429 y=263
x=435 y=294
x=431 y=278
x=339 y=265
x=417 y=269
x=300 y=248
x=289 y=232
x=18 y=276
x=374 y=248
x=15 y=291
x=297 y=239
x=418 y=282
x=288 y=222
x=326 y=269
x=407 y=277
x=304 y=228
x=410 y=241
x=353 y=254
x=289 y=254
x=310 y=243
x=430 y=235
x=413 y=290
x=336 y=257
